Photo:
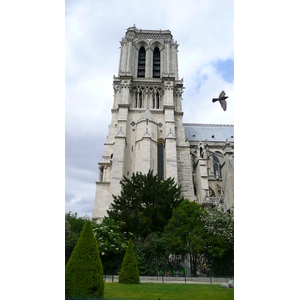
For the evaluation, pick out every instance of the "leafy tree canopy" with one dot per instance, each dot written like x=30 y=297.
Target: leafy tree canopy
x=220 y=241
x=186 y=229
x=220 y=229
x=152 y=254
x=186 y=232
x=145 y=204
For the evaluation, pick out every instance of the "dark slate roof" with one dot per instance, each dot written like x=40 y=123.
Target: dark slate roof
x=203 y=132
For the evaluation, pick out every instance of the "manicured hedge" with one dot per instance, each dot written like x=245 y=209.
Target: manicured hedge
x=84 y=271
x=129 y=271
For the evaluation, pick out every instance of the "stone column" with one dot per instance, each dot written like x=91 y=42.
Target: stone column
x=129 y=55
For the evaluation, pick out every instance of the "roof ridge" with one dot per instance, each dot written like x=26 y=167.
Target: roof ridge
x=207 y=124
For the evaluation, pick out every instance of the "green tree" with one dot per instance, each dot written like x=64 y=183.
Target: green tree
x=145 y=204
x=73 y=228
x=84 y=272
x=112 y=244
x=220 y=250
x=129 y=271
x=187 y=234
x=152 y=255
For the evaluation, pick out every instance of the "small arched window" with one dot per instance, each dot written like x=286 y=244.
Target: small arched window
x=141 y=62
x=156 y=63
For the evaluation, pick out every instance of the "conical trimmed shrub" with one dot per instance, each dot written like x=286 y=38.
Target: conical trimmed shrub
x=129 y=271
x=84 y=271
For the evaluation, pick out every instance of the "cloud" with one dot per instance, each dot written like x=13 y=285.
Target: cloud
x=81 y=150
x=80 y=191
x=225 y=68
x=69 y=197
x=83 y=207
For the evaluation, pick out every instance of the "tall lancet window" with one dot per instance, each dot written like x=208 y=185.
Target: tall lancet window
x=138 y=100
x=160 y=161
x=217 y=167
x=156 y=63
x=141 y=62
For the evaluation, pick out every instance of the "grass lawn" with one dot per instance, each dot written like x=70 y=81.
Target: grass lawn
x=168 y=291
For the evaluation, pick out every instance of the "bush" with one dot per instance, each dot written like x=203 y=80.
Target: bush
x=84 y=271
x=73 y=229
x=129 y=271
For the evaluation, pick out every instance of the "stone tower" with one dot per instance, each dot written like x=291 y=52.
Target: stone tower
x=146 y=130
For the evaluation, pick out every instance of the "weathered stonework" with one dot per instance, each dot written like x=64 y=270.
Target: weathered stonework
x=147 y=111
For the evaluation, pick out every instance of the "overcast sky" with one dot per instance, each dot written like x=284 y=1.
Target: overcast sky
x=93 y=31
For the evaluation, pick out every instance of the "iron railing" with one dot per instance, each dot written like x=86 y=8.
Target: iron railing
x=176 y=279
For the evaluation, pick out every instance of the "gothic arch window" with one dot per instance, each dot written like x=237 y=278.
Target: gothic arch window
x=139 y=100
x=160 y=160
x=141 y=62
x=217 y=167
x=156 y=63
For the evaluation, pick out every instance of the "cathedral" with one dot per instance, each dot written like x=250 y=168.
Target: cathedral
x=147 y=130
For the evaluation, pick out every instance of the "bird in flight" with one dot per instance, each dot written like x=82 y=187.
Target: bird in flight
x=222 y=99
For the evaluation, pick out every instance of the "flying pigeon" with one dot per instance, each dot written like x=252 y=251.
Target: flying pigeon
x=222 y=98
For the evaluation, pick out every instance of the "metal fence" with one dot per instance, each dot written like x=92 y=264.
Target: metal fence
x=174 y=279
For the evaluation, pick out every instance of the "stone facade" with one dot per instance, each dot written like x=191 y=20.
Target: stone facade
x=147 y=116
x=212 y=158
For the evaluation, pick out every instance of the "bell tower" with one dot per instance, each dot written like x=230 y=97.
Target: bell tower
x=146 y=130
